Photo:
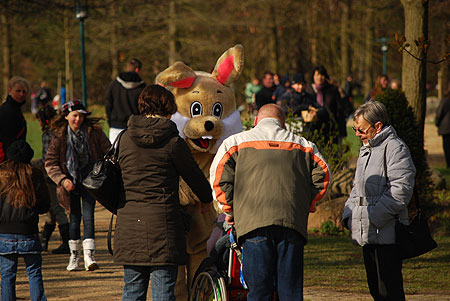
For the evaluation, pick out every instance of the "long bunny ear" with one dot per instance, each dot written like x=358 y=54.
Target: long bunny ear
x=229 y=66
x=178 y=76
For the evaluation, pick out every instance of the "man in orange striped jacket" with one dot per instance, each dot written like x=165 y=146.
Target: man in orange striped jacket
x=266 y=181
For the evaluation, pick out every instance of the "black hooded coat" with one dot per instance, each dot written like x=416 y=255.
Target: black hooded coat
x=150 y=229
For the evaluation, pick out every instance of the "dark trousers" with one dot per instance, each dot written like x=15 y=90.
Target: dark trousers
x=273 y=255
x=446 y=144
x=384 y=272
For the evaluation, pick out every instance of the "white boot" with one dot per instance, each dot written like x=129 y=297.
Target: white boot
x=75 y=248
x=89 y=254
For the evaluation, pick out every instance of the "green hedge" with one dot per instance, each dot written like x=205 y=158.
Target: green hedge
x=402 y=118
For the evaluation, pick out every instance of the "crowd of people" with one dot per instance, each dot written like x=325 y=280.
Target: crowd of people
x=271 y=222
x=321 y=104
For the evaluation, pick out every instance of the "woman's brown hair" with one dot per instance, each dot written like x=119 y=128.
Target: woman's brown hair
x=59 y=123
x=16 y=184
x=378 y=89
x=156 y=100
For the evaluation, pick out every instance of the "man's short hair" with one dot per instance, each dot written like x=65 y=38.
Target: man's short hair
x=372 y=111
x=134 y=64
x=17 y=80
x=267 y=73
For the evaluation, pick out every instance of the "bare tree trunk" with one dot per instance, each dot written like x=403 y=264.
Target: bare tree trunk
x=6 y=44
x=368 y=60
x=345 y=40
x=274 y=40
x=413 y=70
x=173 y=56
x=312 y=30
x=442 y=73
x=114 y=50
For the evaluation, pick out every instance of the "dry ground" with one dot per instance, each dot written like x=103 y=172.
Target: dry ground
x=106 y=283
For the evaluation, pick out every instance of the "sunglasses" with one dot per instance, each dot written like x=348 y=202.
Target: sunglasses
x=361 y=131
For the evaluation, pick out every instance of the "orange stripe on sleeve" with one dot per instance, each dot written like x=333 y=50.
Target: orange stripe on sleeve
x=220 y=195
x=326 y=182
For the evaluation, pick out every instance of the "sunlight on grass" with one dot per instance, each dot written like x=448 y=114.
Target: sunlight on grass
x=335 y=263
x=34 y=132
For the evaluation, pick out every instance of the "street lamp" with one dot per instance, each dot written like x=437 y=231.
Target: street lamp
x=384 y=50
x=81 y=14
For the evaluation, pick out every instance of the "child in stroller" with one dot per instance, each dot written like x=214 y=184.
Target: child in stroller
x=219 y=276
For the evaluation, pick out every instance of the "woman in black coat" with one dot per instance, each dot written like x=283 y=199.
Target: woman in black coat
x=327 y=96
x=150 y=232
x=443 y=123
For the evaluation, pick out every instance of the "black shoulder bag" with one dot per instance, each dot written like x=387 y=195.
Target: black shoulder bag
x=415 y=239
x=104 y=183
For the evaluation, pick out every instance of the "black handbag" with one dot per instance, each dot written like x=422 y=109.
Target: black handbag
x=104 y=182
x=415 y=239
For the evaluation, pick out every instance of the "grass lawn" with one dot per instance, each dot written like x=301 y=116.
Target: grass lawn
x=333 y=262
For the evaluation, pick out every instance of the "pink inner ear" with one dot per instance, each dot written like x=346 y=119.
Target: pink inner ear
x=183 y=83
x=225 y=69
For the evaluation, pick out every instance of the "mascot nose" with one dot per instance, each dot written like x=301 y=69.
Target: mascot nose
x=209 y=125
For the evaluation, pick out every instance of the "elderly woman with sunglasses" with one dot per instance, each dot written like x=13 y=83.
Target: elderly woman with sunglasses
x=382 y=189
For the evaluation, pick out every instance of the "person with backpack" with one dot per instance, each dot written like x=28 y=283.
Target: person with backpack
x=56 y=212
x=78 y=143
x=23 y=196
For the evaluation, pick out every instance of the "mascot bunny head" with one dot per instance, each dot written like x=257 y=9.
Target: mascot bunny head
x=206 y=104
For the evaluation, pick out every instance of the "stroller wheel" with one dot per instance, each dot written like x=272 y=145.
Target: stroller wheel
x=208 y=287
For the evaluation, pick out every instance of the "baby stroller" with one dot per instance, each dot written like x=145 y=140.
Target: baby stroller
x=219 y=276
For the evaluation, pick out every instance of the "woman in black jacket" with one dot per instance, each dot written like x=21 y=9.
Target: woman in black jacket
x=23 y=196
x=150 y=233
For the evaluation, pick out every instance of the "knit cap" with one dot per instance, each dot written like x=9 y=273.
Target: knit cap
x=19 y=151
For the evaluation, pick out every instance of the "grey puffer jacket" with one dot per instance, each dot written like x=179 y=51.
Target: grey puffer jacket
x=376 y=197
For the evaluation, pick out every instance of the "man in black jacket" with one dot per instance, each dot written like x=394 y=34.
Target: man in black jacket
x=264 y=96
x=121 y=100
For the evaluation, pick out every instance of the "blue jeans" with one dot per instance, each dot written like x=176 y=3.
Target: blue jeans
x=136 y=280
x=273 y=256
x=75 y=214
x=33 y=264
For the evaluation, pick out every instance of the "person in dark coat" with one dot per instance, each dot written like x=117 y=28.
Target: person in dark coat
x=297 y=100
x=264 y=96
x=121 y=100
x=150 y=232
x=282 y=88
x=327 y=96
x=23 y=196
x=443 y=124
x=12 y=123
x=44 y=96
x=45 y=115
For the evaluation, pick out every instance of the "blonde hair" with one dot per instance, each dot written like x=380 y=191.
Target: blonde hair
x=17 y=80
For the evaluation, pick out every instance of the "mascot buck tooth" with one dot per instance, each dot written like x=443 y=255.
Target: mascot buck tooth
x=206 y=116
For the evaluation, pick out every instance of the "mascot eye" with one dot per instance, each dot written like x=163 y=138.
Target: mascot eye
x=196 y=109
x=217 y=109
